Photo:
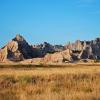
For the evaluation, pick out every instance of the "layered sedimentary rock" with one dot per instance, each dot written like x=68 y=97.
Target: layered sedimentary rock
x=85 y=49
x=12 y=46
x=18 y=49
x=58 y=57
x=3 y=54
x=77 y=46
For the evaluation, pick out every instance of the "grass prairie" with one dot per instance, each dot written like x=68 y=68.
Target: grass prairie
x=63 y=82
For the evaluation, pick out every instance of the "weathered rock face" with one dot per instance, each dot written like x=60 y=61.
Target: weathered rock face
x=3 y=54
x=53 y=58
x=47 y=48
x=59 y=48
x=87 y=53
x=85 y=49
x=12 y=46
x=58 y=57
x=96 y=48
x=42 y=49
x=24 y=47
x=18 y=49
x=67 y=55
x=17 y=56
x=77 y=46
x=91 y=49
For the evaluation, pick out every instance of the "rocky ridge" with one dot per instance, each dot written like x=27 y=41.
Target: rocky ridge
x=18 y=49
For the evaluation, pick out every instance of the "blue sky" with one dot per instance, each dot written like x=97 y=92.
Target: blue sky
x=54 y=21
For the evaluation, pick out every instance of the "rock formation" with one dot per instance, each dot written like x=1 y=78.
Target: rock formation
x=24 y=47
x=42 y=49
x=12 y=46
x=77 y=46
x=18 y=49
x=3 y=54
x=85 y=49
x=58 y=57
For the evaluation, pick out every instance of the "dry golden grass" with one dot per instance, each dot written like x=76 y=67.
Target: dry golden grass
x=70 y=82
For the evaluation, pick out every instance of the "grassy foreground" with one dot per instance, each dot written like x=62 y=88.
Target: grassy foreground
x=71 y=82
